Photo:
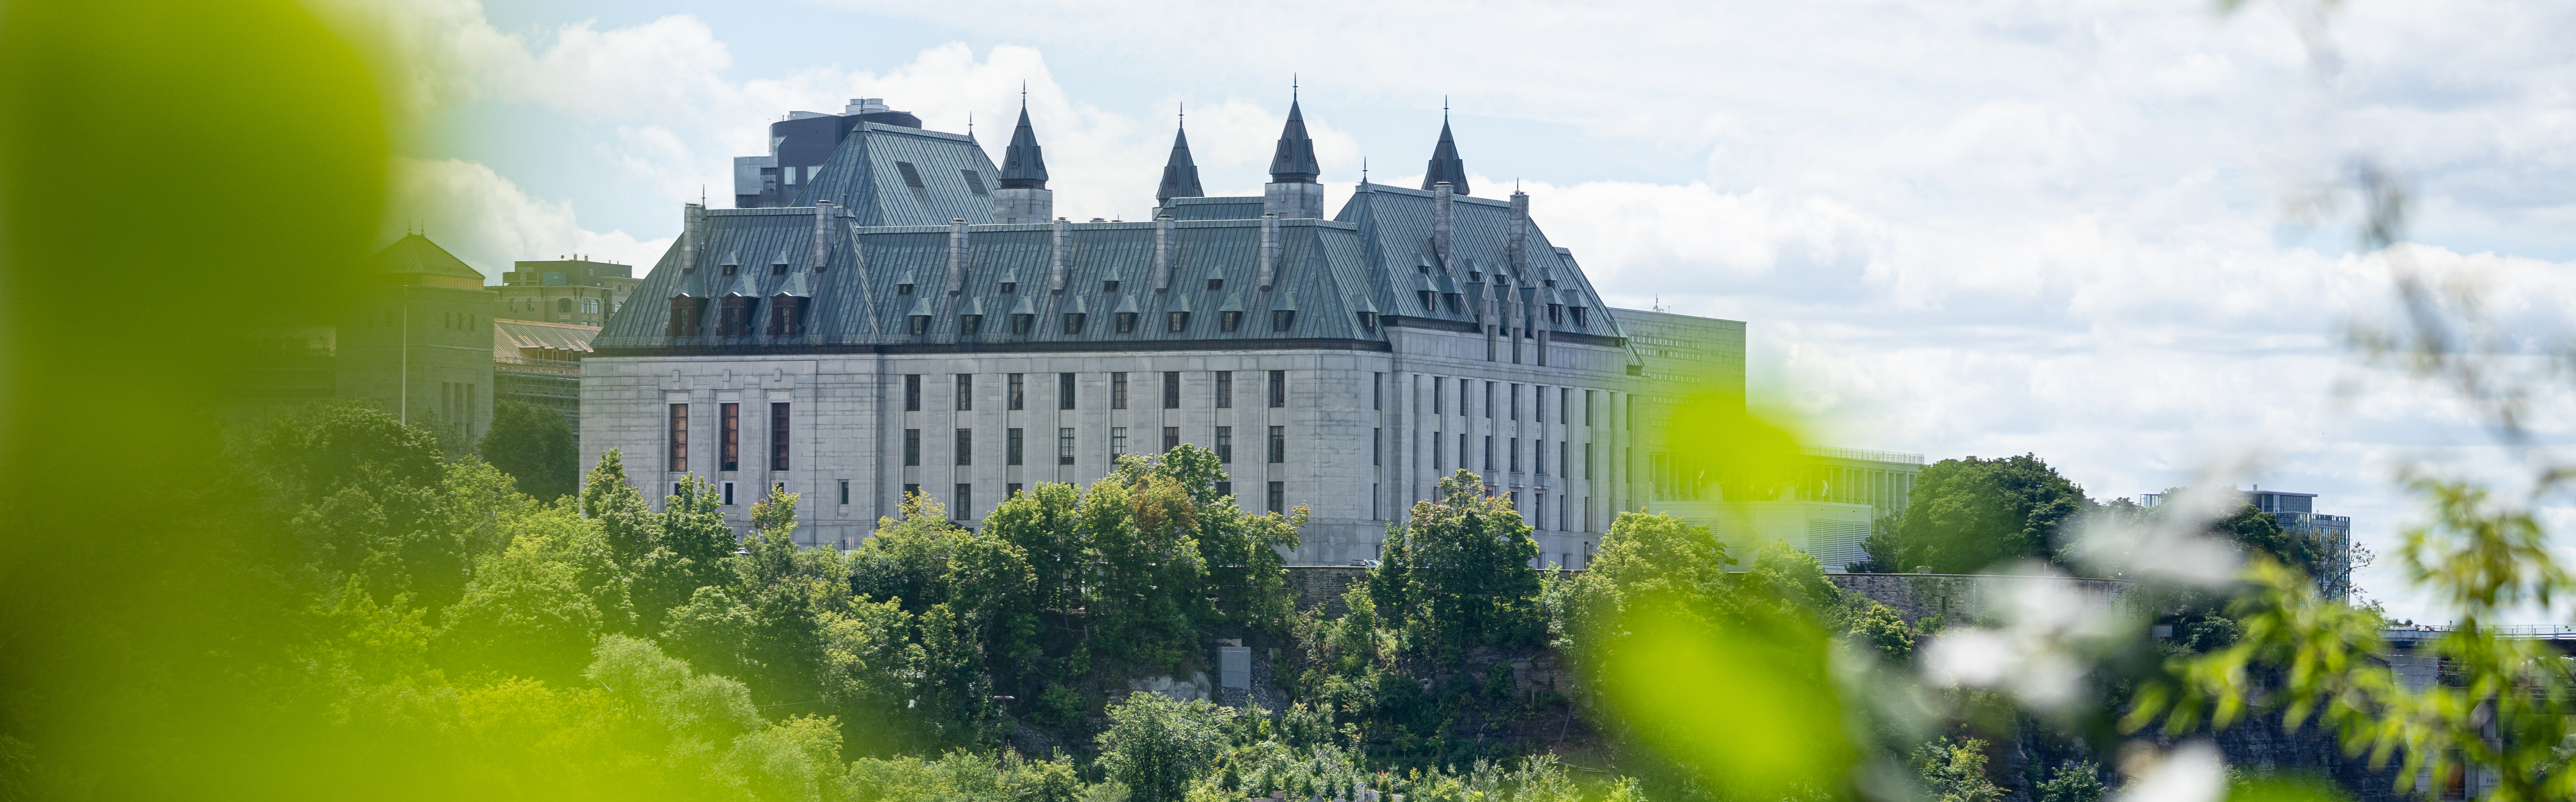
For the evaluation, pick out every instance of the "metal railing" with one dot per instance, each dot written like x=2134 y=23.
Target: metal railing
x=1863 y=455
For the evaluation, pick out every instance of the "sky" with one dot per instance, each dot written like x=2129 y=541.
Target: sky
x=2111 y=233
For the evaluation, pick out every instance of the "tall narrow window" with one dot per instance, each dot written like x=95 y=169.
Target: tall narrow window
x=1489 y=453
x=1587 y=464
x=778 y=436
x=1225 y=389
x=1117 y=442
x=729 y=438
x=962 y=508
x=912 y=392
x=1225 y=490
x=1438 y=388
x=1515 y=446
x=1117 y=391
x=1462 y=453
x=1377 y=446
x=1489 y=399
x=1017 y=401
x=1515 y=390
x=911 y=447
x=845 y=492
x=1225 y=444
x=1278 y=496
x=1011 y=491
x=679 y=437
x=1538 y=404
x=965 y=446
x=1564 y=398
x=1064 y=391
x=1171 y=389
x=911 y=491
x=1587 y=406
x=1278 y=444
x=965 y=391
x=1064 y=446
x=1012 y=449
x=1436 y=437
x=1278 y=389
x=1171 y=438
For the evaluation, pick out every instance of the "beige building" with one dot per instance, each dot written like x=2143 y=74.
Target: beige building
x=577 y=291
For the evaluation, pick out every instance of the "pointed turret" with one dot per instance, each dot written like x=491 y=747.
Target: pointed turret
x=1445 y=164
x=1022 y=165
x=1023 y=196
x=1292 y=192
x=1180 y=174
x=1294 y=161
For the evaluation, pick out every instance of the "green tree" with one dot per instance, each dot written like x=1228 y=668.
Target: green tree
x=2079 y=781
x=1157 y=746
x=1955 y=771
x=365 y=496
x=1460 y=569
x=1968 y=515
x=536 y=445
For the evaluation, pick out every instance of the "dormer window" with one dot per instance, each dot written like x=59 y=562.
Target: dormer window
x=1073 y=322
x=779 y=269
x=728 y=269
x=970 y=325
x=1126 y=322
x=920 y=325
x=1228 y=321
x=1281 y=319
x=903 y=288
x=1368 y=321
x=1556 y=314
x=1216 y=284
x=1109 y=286
x=1474 y=276
x=684 y=270
x=1426 y=300
x=1178 y=321
x=1009 y=287
x=1578 y=317
x=1020 y=324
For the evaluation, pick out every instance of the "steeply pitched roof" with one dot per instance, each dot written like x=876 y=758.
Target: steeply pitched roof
x=1219 y=208
x=1294 y=161
x=1022 y=166
x=1180 y=174
x=415 y=254
x=1396 y=225
x=885 y=175
x=1445 y=164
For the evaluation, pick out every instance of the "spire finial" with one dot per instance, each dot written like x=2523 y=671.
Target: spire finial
x=970 y=125
x=1363 y=169
x=1185 y=114
x=1024 y=93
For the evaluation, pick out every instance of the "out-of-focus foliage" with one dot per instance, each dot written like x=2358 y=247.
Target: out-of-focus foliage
x=1955 y=771
x=535 y=446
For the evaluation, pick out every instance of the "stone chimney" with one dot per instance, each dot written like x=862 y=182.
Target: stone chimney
x=1269 y=250
x=956 y=256
x=1060 y=257
x=1443 y=209
x=1163 y=236
x=822 y=234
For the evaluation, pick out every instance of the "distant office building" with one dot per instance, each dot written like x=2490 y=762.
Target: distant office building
x=539 y=364
x=420 y=342
x=2296 y=512
x=576 y=291
x=1837 y=496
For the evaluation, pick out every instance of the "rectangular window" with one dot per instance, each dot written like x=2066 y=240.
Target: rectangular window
x=1064 y=391
x=1017 y=401
x=912 y=392
x=1377 y=446
x=845 y=492
x=1538 y=511
x=729 y=437
x=679 y=437
x=1117 y=391
x=1489 y=453
x=1564 y=397
x=1278 y=444
x=1538 y=456
x=1278 y=389
x=1171 y=438
x=1515 y=446
x=1278 y=496
x=1011 y=491
x=1225 y=490
x=1515 y=391
x=728 y=494
x=778 y=439
x=1225 y=444
x=1171 y=389
x=1436 y=438
x=1587 y=460
x=911 y=447
x=1375 y=514
x=1377 y=391
x=911 y=491
x=965 y=391
x=1439 y=389
x=1489 y=399
x=1628 y=419
x=1462 y=453
x=1064 y=446
x=1011 y=453
x=962 y=507
x=1561 y=447
x=1225 y=389
x=1538 y=403
x=1587 y=406
x=1117 y=442
x=965 y=446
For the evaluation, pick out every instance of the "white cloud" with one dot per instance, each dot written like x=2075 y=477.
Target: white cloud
x=489 y=222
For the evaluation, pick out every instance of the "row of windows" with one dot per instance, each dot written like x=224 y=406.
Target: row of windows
x=1014 y=449
x=1121 y=322
x=588 y=305
x=1512 y=392
x=1512 y=461
x=961 y=498
x=1015 y=390
x=728 y=437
